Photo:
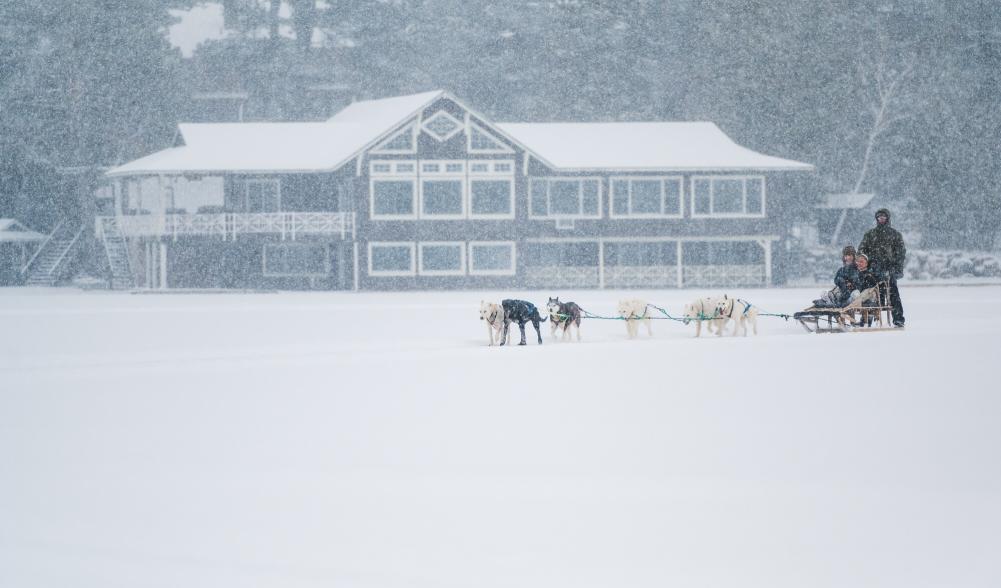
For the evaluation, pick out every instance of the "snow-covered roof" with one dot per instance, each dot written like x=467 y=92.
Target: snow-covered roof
x=847 y=200
x=326 y=146
x=280 y=147
x=12 y=231
x=386 y=111
x=255 y=147
x=642 y=146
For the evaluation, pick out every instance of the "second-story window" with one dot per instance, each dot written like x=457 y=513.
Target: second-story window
x=728 y=196
x=568 y=197
x=646 y=197
x=443 y=193
x=480 y=189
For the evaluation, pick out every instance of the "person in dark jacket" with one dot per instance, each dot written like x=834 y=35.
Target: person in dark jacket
x=847 y=276
x=885 y=248
x=865 y=277
x=844 y=282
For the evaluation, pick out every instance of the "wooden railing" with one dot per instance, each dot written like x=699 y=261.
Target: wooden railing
x=228 y=225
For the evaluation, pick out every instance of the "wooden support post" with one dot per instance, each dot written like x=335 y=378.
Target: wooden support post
x=163 y=264
x=601 y=263
x=680 y=266
x=767 y=244
x=354 y=266
x=148 y=266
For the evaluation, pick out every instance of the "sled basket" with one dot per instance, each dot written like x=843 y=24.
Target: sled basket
x=872 y=311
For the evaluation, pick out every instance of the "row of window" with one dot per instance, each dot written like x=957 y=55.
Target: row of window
x=497 y=258
x=442 y=189
x=485 y=190
x=441 y=258
x=641 y=253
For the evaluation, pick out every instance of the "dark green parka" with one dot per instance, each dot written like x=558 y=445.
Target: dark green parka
x=885 y=247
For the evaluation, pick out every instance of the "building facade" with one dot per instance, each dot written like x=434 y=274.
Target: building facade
x=422 y=192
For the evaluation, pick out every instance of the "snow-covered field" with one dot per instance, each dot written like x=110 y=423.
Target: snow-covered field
x=373 y=440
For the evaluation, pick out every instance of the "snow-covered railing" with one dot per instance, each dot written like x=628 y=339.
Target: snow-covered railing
x=288 y=225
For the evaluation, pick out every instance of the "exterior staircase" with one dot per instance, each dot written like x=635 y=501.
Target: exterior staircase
x=117 y=251
x=48 y=264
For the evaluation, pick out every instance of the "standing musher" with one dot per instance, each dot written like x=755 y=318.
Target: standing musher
x=885 y=248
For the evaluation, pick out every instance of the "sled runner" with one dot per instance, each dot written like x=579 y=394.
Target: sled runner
x=871 y=311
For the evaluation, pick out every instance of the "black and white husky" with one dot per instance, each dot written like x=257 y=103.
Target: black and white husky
x=500 y=316
x=563 y=315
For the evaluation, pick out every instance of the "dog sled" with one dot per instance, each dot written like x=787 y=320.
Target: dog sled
x=870 y=311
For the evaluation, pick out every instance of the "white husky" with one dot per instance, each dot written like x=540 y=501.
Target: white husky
x=494 y=315
x=635 y=311
x=704 y=310
x=740 y=312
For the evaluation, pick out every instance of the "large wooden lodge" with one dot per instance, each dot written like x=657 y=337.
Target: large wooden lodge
x=421 y=192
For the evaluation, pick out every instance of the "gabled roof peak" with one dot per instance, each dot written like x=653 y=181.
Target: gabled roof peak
x=385 y=109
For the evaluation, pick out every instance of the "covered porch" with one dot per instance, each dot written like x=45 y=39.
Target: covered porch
x=650 y=262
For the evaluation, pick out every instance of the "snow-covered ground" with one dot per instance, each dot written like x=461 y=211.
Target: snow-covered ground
x=373 y=440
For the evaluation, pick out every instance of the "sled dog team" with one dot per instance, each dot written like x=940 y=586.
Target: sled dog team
x=716 y=312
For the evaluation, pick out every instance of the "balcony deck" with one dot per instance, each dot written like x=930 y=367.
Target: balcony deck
x=288 y=225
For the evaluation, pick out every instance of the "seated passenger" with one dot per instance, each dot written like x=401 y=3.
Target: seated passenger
x=844 y=282
x=866 y=277
x=866 y=281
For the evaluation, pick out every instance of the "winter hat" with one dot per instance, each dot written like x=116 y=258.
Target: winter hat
x=848 y=250
x=862 y=256
x=885 y=211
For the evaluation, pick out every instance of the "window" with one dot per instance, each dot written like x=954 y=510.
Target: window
x=482 y=142
x=393 y=189
x=565 y=197
x=562 y=254
x=393 y=198
x=391 y=259
x=491 y=189
x=443 y=189
x=262 y=195
x=641 y=253
x=402 y=142
x=728 y=196
x=442 y=198
x=491 y=197
x=646 y=197
x=720 y=253
x=491 y=258
x=442 y=259
x=442 y=126
x=296 y=260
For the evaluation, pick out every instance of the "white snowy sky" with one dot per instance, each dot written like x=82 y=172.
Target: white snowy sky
x=201 y=23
